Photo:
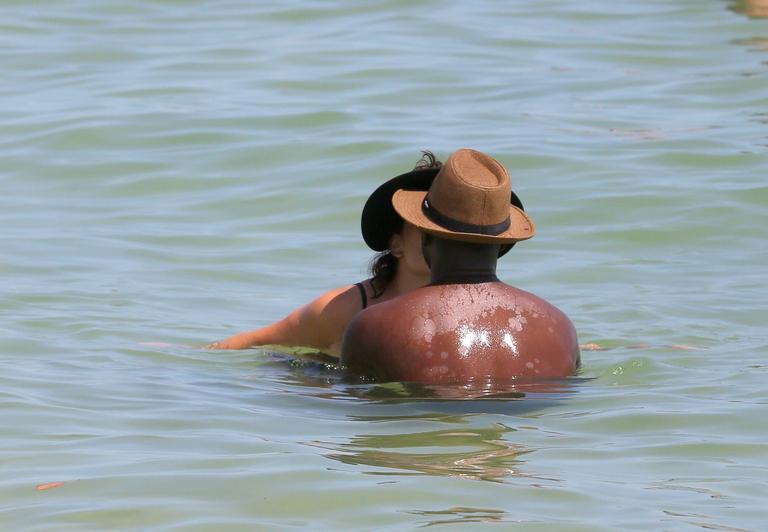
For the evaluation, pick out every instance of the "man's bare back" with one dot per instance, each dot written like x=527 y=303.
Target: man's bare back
x=462 y=332
x=466 y=325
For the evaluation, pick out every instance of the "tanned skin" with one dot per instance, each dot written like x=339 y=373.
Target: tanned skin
x=321 y=323
x=466 y=325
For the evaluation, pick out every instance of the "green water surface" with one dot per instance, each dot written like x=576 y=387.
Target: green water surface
x=179 y=171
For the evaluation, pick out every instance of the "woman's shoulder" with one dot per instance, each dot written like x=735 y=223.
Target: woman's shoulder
x=342 y=302
x=329 y=314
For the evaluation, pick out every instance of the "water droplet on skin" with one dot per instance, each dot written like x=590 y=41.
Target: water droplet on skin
x=484 y=338
x=429 y=329
x=516 y=323
x=510 y=342
x=467 y=337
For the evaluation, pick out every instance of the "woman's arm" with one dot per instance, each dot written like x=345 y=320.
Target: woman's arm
x=319 y=324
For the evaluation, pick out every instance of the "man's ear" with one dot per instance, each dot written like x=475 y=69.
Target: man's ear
x=396 y=245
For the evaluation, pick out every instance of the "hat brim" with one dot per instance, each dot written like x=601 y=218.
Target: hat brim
x=407 y=204
x=379 y=220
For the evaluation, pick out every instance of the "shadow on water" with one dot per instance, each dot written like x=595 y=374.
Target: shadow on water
x=753 y=9
x=753 y=44
x=461 y=515
x=460 y=451
x=321 y=376
x=750 y=8
x=472 y=454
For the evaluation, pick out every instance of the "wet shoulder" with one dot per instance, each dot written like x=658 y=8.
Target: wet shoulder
x=332 y=311
x=451 y=308
x=470 y=299
x=397 y=338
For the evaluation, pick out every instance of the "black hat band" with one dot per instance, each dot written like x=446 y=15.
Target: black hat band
x=458 y=226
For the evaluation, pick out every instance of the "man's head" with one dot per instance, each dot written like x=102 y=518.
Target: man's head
x=468 y=201
x=452 y=254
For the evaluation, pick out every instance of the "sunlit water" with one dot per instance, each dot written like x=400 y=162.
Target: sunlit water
x=176 y=172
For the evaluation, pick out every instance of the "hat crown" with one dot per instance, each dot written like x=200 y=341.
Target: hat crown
x=470 y=200
x=472 y=188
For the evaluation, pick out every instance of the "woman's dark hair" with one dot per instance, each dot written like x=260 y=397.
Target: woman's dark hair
x=383 y=267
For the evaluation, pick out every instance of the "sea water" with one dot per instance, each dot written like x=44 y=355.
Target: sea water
x=176 y=172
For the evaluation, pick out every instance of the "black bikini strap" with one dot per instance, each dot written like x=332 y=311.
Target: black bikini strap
x=363 y=296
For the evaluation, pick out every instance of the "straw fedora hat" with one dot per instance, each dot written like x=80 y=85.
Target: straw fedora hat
x=469 y=200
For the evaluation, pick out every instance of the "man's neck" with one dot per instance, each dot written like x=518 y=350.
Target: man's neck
x=464 y=277
x=458 y=262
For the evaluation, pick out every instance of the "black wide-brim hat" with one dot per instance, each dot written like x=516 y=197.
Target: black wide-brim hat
x=379 y=220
